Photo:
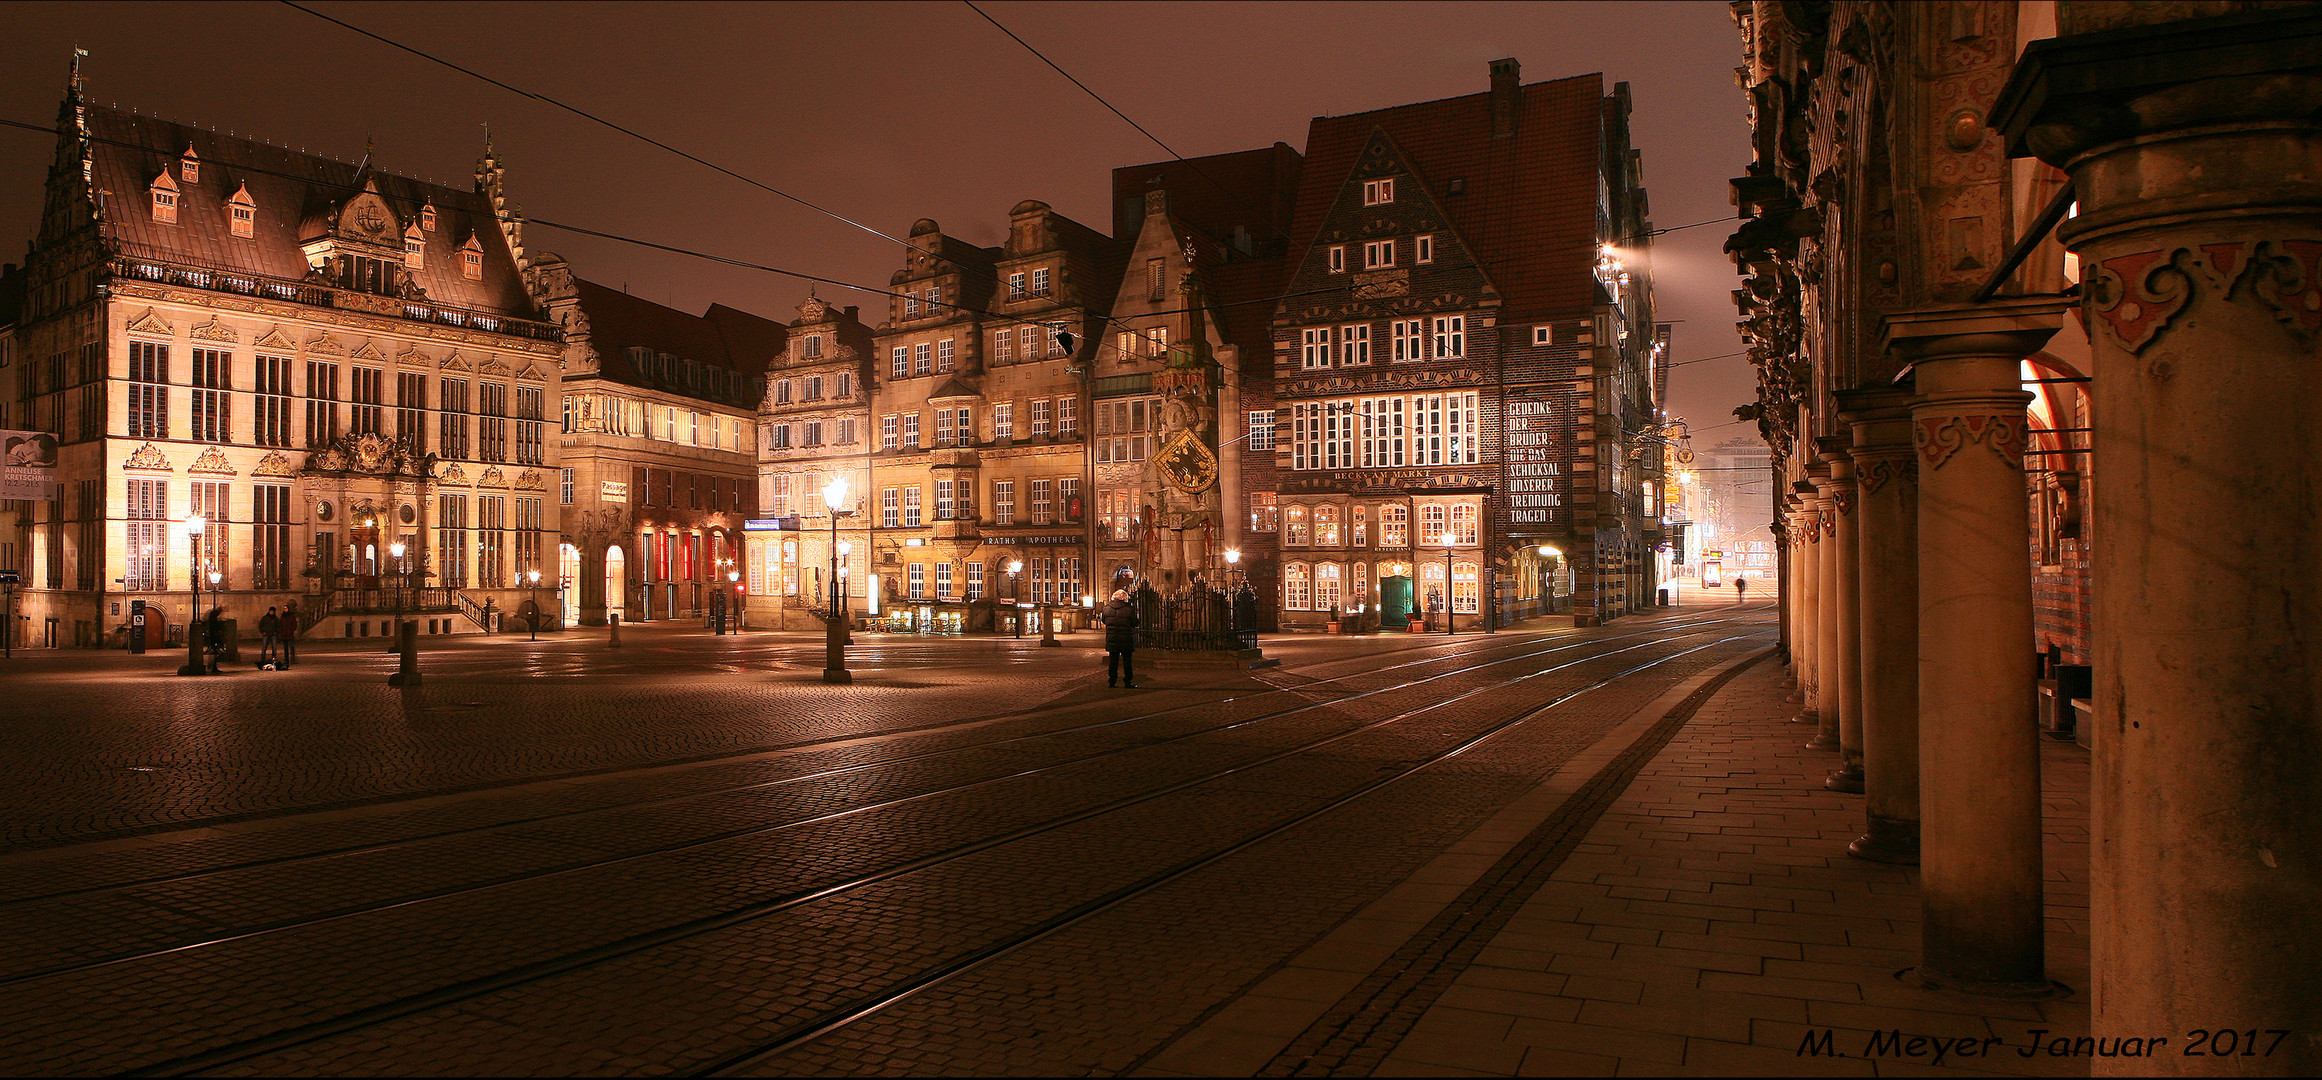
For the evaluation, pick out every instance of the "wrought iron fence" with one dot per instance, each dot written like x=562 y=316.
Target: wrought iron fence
x=1200 y=619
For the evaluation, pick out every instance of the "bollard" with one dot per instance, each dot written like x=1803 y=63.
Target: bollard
x=407 y=636
x=613 y=626
x=834 y=664
x=1048 y=629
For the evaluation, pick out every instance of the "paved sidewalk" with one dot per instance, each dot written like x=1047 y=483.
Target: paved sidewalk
x=1712 y=920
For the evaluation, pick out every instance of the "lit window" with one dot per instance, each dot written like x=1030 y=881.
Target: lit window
x=165 y=199
x=1297 y=594
x=414 y=249
x=1262 y=430
x=427 y=218
x=242 y=213
x=472 y=260
x=1376 y=192
x=189 y=168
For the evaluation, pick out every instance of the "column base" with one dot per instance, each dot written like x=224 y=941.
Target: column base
x=837 y=675
x=1807 y=716
x=2036 y=990
x=1847 y=778
x=1888 y=841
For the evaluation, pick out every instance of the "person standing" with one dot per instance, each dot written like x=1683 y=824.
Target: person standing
x=290 y=635
x=269 y=637
x=1120 y=619
x=1741 y=590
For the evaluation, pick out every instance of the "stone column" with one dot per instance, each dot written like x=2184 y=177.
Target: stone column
x=2199 y=174
x=1886 y=480
x=1843 y=538
x=1786 y=540
x=592 y=583
x=1809 y=526
x=1825 y=614
x=1979 y=755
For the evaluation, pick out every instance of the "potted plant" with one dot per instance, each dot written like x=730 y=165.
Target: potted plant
x=1334 y=620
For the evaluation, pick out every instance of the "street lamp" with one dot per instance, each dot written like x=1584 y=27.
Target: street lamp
x=194 y=664
x=1016 y=593
x=733 y=582
x=395 y=551
x=532 y=577
x=834 y=664
x=1233 y=558
x=1449 y=627
x=1548 y=586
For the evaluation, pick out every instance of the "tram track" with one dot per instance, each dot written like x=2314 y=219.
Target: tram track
x=1658 y=632
x=355 y=1020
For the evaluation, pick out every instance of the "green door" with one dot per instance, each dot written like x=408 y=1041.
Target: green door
x=1394 y=602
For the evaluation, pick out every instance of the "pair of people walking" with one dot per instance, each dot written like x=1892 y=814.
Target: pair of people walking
x=278 y=634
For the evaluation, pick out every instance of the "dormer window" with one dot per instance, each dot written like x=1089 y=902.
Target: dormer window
x=414 y=249
x=472 y=260
x=189 y=167
x=427 y=218
x=242 y=213
x=1378 y=192
x=165 y=199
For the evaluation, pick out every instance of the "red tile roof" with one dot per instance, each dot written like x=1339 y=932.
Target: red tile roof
x=1529 y=206
x=128 y=151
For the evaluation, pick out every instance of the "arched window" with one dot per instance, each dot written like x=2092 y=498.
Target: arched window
x=1326 y=526
x=1430 y=586
x=1465 y=595
x=1294 y=529
x=1297 y=591
x=1358 y=586
x=1463 y=524
x=1326 y=587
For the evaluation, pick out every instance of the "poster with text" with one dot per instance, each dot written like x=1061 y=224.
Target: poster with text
x=28 y=465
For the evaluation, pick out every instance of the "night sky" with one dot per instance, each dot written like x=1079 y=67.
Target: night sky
x=882 y=113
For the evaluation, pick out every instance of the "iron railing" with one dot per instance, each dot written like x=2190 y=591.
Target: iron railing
x=301 y=292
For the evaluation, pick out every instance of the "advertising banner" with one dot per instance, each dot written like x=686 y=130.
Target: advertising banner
x=28 y=465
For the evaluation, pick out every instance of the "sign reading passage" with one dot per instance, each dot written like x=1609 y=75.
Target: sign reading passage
x=613 y=490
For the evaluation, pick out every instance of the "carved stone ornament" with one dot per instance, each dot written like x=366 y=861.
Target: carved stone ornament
x=456 y=362
x=412 y=357
x=531 y=480
x=213 y=463
x=151 y=323
x=326 y=345
x=1939 y=437
x=2289 y=280
x=369 y=350
x=372 y=454
x=1382 y=284
x=148 y=456
x=492 y=478
x=1829 y=524
x=214 y=330
x=276 y=339
x=813 y=309
x=1874 y=474
x=275 y=463
x=532 y=373
x=491 y=366
x=1844 y=500
x=453 y=474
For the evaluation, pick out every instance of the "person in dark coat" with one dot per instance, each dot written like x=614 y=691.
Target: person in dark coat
x=270 y=637
x=1120 y=620
x=289 y=635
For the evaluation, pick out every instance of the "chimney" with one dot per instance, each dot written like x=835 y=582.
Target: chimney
x=1506 y=97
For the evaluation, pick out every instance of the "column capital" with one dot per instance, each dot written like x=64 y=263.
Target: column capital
x=2010 y=327
x=2071 y=94
x=1881 y=418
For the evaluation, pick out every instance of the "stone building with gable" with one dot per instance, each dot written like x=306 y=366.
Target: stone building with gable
x=1466 y=349
x=657 y=445
x=322 y=359
x=814 y=416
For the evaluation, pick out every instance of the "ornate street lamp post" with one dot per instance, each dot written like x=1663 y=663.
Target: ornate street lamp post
x=194 y=664
x=1449 y=626
x=532 y=577
x=1233 y=558
x=834 y=664
x=1016 y=592
x=402 y=583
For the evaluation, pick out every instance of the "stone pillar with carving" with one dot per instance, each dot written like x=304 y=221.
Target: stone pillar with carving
x=1846 y=616
x=1815 y=521
x=1804 y=531
x=2198 y=169
x=1886 y=517
x=1979 y=757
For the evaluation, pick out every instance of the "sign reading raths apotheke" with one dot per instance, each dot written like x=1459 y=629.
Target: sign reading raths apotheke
x=1039 y=539
x=28 y=465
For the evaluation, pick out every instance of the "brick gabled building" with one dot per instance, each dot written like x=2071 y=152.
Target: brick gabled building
x=1465 y=348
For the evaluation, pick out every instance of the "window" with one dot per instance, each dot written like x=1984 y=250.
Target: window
x=414 y=249
x=1296 y=531
x=213 y=419
x=411 y=411
x=1423 y=248
x=782 y=392
x=944 y=431
x=1040 y=502
x=1406 y=335
x=273 y=402
x=242 y=214
x=1378 y=254
x=1004 y=420
x=1357 y=527
x=946 y=500
x=846 y=432
x=1431 y=527
x=778 y=495
x=1394 y=527
x=564 y=487
x=269 y=536
x=1003 y=502
x=452 y=417
x=1326 y=582
x=366 y=415
x=472 y=260
x=1376 y=192
x=451 y=543
x=777 y=436
x=911 y=432
x=148 y=390
x=1003 y=346
x=922 y=358
x=1314 y=348
x=946 y=354
x=1297 y=589
x=1068 y=498
x=1463 y=525
x=917 y=589
x=975 y=581
x=1354 y=344
x=492 y=427
x=491 y=518
x=1039 y=417
x=209 y=553
x=911 y=507
x=1338 y=259
x=943 y=581
x=811 y=347
x=1450 y=336
x=1016 y=286
x=1262 y=513
x=322 y=403
x=148 y=539
x=529 y=518
x=846 y=385
x=811 y=435
x=1113 y=515
x=1326 y=532
x=1542 y=335
x=1157 y=278
x=890 y=507
x=899 y=362
x=165 y=202
x=889 y=426
x=965 y=419
x=427 y=218
x=1040 y=281
x=1384 y=435
x=1464 y=594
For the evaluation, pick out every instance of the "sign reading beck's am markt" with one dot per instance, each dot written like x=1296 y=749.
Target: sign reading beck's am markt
x=28 y=465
